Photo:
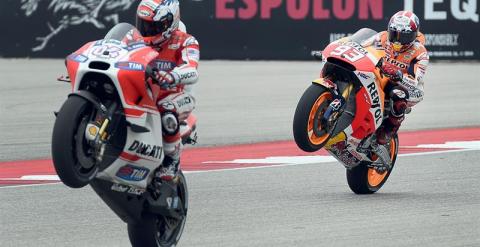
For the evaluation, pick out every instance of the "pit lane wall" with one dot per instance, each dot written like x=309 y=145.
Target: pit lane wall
x=240 y=29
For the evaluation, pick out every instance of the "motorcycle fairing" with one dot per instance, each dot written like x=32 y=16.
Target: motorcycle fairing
x=341 y=148
x=72 y=63
x=326 y=83
x=370 y=106
x=369 y=100
x=138 y=100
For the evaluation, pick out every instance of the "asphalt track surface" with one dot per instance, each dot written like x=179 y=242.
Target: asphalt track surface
x=430 y=199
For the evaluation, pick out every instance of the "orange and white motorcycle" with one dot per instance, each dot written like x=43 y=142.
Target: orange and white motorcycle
x=341 y=110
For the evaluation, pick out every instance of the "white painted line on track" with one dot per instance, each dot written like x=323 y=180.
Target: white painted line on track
x=27 y=185
x=35 y=178
x=266 y=166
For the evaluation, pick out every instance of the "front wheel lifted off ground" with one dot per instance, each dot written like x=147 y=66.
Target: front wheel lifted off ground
x=308 y=132
x=68 y=142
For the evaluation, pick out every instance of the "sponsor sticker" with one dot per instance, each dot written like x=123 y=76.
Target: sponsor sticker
x=336 y=104
x=184 y=101
x=129 y=66
x=188 y=75
x=132 y=173
x=193 y=54
x=77 y=58
x=134 y=46
x=164 y=65
x=129 y=189
x=341 y=151
x=372 y=90
x=146 y=150
x=363 y=75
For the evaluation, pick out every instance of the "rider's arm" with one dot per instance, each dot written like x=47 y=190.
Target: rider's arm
x=187 y=71
x=414 y=81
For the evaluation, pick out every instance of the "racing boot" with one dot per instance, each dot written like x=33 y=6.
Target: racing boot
x=386 y=131
x=170 y=165
x=171 y=146
x=165 y=173
x=395 y=119
x=169 y=169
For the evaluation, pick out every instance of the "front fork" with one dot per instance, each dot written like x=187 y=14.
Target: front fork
x=336 y=107
x=98 y=130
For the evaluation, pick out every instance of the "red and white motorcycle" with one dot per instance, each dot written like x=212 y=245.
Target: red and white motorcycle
x=341 y=110
x=108 y=134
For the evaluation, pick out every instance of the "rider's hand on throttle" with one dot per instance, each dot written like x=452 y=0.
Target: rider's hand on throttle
x=392 y=72
x=167 y=80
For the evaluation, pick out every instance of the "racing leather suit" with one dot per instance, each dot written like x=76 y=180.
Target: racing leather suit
x=179 y=56
x=407 y=90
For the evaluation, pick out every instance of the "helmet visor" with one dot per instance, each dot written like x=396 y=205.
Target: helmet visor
x=403 y=38
x=153 y=28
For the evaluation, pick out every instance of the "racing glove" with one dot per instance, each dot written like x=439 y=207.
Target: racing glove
x=391 y=72
x=167 y=80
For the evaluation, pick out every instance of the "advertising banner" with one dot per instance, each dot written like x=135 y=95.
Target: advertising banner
x=240 y=29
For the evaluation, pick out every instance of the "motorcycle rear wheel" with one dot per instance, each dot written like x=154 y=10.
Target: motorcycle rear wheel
x=308 y=132
x=157 y=230
x=66 y=144
x=366 y=180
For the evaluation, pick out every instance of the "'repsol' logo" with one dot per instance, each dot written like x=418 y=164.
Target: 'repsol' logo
x=132 y=173
x=68 y=13
x=372 y=90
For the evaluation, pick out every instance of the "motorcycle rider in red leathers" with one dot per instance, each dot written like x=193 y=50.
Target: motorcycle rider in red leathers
x=158 y=21
x=405 y=63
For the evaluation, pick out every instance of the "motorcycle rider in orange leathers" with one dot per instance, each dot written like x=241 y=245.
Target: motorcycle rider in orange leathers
x=176 y=71
x=405 y=63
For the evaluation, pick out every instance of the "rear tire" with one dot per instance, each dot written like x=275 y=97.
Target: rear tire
x=308 y=133
x=151 y=231
x=65 y=144
x=365 y=180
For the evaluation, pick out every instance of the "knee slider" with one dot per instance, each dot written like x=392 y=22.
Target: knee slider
x=170 y=123
x=399 y=102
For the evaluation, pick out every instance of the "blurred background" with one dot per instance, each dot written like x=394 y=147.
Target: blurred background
x=239 y=29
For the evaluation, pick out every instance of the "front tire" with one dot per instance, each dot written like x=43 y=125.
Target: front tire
x=158 y=230
x=366 y=180
x=308 y=132
x=67 y=140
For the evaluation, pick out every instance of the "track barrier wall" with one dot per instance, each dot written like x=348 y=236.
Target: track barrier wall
x=240 y=29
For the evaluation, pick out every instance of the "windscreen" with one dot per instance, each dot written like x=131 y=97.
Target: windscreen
x=126 y=33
